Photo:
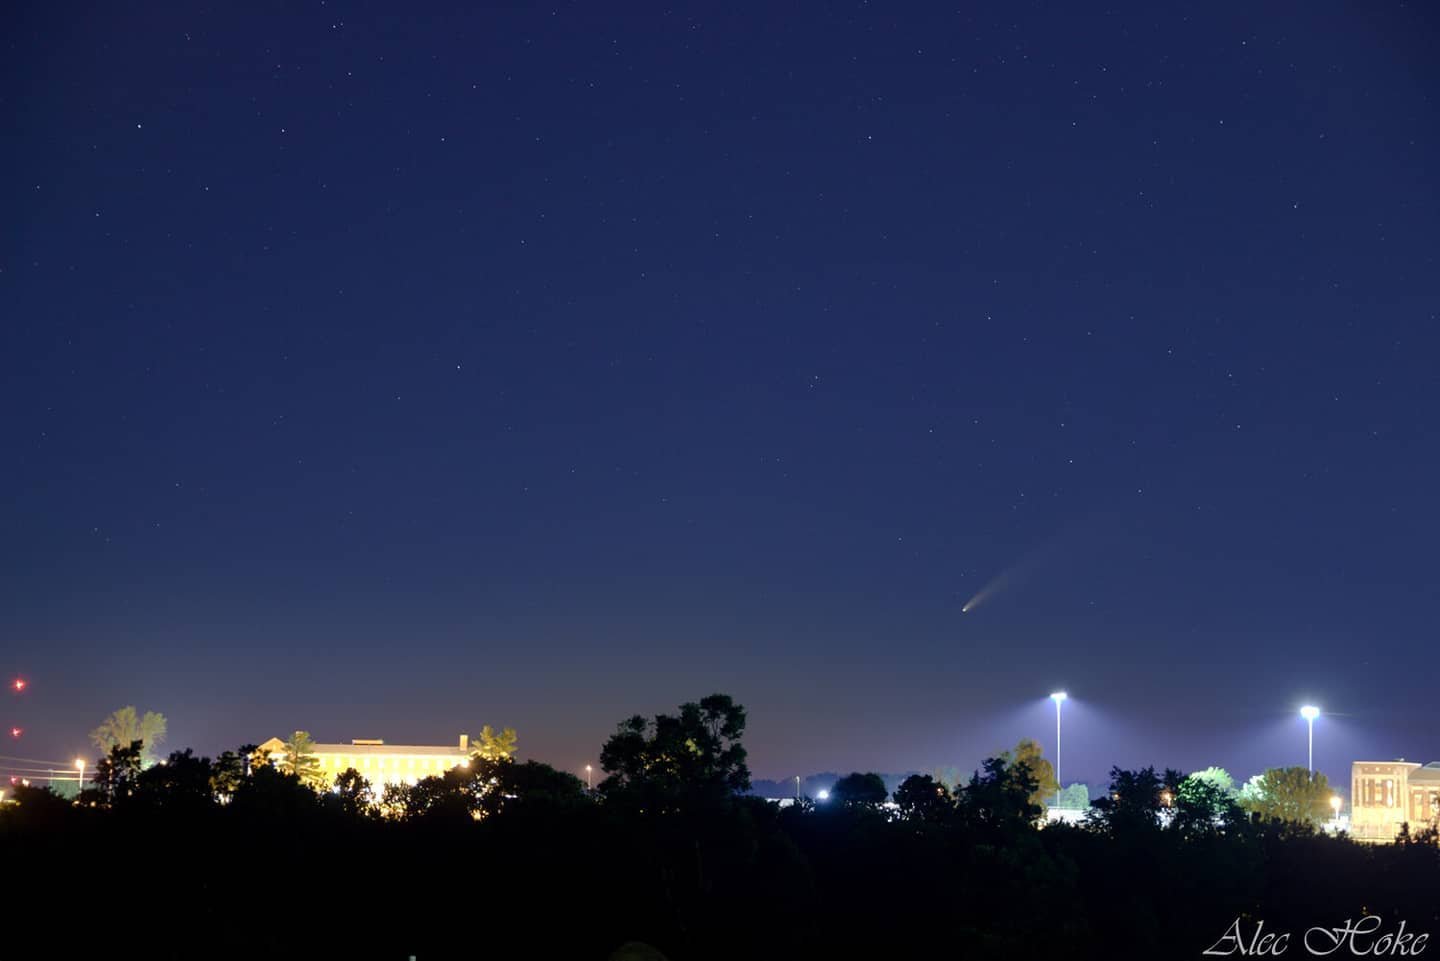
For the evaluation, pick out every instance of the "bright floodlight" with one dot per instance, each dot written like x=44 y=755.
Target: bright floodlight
x=823 y=795
x=1058 y=696
x=1309 y=712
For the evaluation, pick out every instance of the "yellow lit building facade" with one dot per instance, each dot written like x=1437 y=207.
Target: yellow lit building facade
x=1386 y=794
x=382 y=764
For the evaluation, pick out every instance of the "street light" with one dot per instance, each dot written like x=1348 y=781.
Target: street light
x=587 y=777
x=80 y=785
x=1059 y=698
x=1335 y=803
x=1310 y=712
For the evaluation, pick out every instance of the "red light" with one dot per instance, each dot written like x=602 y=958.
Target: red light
x=19 y=684
x=15 y=732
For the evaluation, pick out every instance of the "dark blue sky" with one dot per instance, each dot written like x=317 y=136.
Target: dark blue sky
x=389 y=374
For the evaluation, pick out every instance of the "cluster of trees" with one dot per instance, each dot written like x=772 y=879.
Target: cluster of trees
x=242 y=857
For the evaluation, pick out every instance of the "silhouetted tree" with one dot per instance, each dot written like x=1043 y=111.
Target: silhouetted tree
x=672 y=761
x=1202 y=806
x=484 y=788
x=353 y=794
x=182 y=781
x=269 y=794
x=530 y=785
x=859 y=790
x=452 y=796
x=229 y=769
x=115 y=775
x=998 y=798
x=921 y=798
x=1135 y=801
x=35 y=807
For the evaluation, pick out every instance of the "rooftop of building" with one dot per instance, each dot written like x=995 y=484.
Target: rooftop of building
x=1425 y=773
x=380 y=747
x=374 y=746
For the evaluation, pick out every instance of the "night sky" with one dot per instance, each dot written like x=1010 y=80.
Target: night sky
x=386 y=375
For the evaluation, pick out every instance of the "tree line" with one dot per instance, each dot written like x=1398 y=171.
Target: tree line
x=668 y=857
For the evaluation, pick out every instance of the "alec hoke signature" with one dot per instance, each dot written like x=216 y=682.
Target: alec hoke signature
x=1360 y=938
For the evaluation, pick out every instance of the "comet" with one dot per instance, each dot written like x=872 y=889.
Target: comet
x=1017 y=573
x=992 y=587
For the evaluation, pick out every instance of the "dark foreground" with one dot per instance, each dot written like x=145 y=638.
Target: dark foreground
x=283 y=876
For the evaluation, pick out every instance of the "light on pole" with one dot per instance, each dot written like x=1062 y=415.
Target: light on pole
x=1335 y=803
x=1310 y=712
x=1059 y=698
x=797 y=787
x=80 y=784
x=588 y=770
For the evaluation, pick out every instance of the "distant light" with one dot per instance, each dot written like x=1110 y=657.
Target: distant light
x=16 y=732
x=1058 y=696
x=1309 y=712
x=1335 y=803
x=19 y=684
x=80 y=764
x=824 y=795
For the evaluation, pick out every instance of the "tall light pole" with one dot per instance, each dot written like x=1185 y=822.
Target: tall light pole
x=588 y=785
x=1059 y=698
x=1310 y=712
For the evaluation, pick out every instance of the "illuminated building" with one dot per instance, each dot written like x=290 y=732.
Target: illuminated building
x=1386 y=794
x=380 y=763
